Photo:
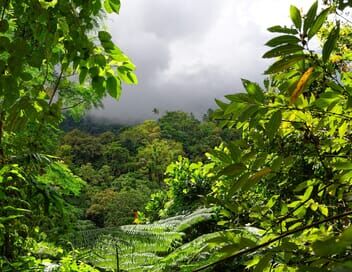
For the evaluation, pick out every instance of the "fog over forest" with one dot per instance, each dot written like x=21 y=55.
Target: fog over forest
x=190 y=53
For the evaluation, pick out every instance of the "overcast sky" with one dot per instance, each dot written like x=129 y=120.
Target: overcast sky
x=189 y=52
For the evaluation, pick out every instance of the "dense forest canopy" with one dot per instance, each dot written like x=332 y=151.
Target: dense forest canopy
x=263 y=183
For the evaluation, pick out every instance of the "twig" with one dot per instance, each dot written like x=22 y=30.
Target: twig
x=73 y=106
x=343 y=17
x=288 y=233
x=56 y=87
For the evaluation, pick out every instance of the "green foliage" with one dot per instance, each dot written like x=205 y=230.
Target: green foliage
x=141 y=135
x=44 y=44
x=196 y=137
x=154 y=157
x=289 y=174
x=140 y=247
x=187 y=184
x=62 y=179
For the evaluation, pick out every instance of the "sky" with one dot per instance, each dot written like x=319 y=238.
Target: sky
x=189 y=52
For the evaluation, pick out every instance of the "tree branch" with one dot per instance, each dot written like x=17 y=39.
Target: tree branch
x=56 y=87
x=73 y=106
x=288 y=233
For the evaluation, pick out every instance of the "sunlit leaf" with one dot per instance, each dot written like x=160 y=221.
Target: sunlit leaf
x=330 y=43
x=301 y=84
x=296 y=16
x=284 y=63
x=113 y=86
x=253 y=90
x=312 y=12
x=318 y=22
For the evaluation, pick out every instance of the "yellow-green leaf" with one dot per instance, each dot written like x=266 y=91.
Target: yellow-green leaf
x=296 y=17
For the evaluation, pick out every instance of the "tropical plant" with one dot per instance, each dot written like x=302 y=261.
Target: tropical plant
x=43 y=44
x=187 y=185
x=139 y=247
x=293 y=157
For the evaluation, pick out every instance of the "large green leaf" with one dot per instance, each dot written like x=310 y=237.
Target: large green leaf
x=113 y=86
x=233 y=169
x=273 y=124
x=283 y=39
x=126 y=75
x=115 y=5
x=222 y=105
x=318 y=22
x=330 y=42
x=107 y=6
x=100 y=60
x=248 y=112
x=104 y=36
x=264 y=262
x=98 y=84
x=296 y=17
x=284 y=63
x=254 y=90
x=235 y=108
x=312 y=12
x=283 y=50
x=237 y=185
x=112 y=6
x=343 y=165
x=83 y=74
x=282 y=29
x=255 y=178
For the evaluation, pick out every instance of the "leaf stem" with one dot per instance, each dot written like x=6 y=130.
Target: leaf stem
x=56 y=87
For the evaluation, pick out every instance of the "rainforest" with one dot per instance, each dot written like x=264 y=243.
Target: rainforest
x=261 y=182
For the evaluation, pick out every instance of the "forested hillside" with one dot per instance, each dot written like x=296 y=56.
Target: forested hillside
x=126 y=169
x=262 y=183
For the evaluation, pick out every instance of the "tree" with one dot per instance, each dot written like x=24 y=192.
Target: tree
x=179 y=126
x=84 y=148
x=42 y=44
x=187 y=185
x=140 y=135
x=116 y=156
x=154 y=158
x=196 y=137
x=285 y=185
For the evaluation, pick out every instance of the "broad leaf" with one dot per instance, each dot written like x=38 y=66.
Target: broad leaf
x=283 y=40
x=83 y=74
x=104 y=36
x=283 y=50
x=113 y=87
x=112 y=6
x=115 y=5
x=253 y=90
x=273 y=125
x=312 y=12
x=330 y=42
x=296 y=17
x=301 y=84
x=318 y=22
x=233 y=169
x=254 y=179
x=284 y=63
x=280 y=29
